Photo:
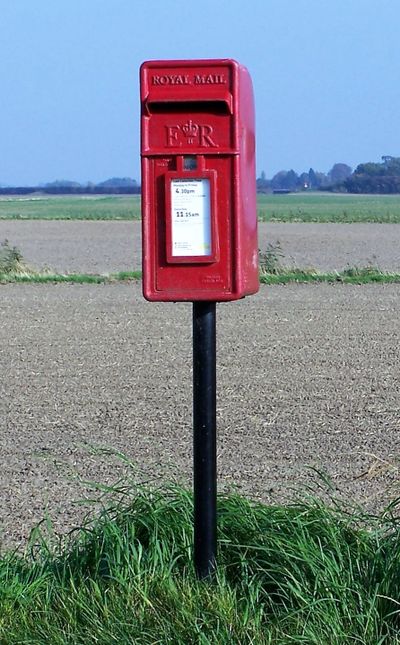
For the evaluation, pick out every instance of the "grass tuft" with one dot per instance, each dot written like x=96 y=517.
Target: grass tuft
x=270 y=259
x=304 y=573
x=11 y=260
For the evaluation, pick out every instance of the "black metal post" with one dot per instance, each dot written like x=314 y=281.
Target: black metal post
x=204 y=438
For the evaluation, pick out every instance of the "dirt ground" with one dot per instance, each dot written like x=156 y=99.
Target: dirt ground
x=307 y=376
x=101 y=247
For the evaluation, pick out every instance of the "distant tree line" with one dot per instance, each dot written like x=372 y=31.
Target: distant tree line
x=376 y=178
x=289 y=180
x=113 y=186
x=368 y=177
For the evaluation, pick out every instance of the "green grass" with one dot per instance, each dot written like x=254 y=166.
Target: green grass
x=71 y=208
x=299 y=207
x=354 y=275
x=327 y=207
x=282 y=276
x=302 y=573
x=77 y=278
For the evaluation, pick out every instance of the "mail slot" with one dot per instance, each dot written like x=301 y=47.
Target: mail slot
x=199 y=222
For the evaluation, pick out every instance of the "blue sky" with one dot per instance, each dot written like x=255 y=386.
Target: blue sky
x=326 y=77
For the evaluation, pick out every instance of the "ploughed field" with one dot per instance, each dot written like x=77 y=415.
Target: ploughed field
x=111 y=246
x=307 y=375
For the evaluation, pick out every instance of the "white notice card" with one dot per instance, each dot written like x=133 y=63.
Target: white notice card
x=191 y=217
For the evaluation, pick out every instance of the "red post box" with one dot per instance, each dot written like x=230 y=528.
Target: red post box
x=199 y=218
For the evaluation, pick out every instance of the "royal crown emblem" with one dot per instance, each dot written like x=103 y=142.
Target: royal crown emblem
x=190 y=130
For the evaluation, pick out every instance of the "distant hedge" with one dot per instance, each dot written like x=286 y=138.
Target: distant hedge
x=71 y=190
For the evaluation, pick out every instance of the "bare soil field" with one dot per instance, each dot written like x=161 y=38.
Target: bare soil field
x=307 y=376
x=105 y=246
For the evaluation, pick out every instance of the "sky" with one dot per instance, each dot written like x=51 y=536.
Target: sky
x=326 y=79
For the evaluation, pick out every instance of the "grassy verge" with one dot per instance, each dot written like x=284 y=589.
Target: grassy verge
x=282 y=276
x=14 y=269
x=348 y=276
x=272 y=271
x=72 y=278
x=303 y=573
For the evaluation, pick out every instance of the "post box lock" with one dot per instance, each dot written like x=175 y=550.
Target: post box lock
x=198 y=181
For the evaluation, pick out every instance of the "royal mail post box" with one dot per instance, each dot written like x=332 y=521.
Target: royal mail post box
x=199 y=220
